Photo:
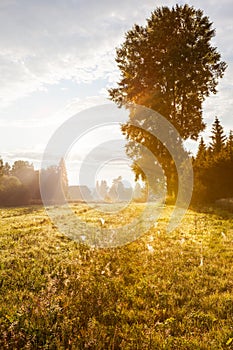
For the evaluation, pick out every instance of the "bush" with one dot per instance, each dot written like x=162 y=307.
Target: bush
x=12 y=192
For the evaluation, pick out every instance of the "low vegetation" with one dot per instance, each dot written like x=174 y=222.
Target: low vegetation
x=163 y=291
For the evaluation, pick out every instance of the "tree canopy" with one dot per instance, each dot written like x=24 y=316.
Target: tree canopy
x=170 y=66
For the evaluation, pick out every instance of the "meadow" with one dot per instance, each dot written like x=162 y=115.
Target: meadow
x=162 y=291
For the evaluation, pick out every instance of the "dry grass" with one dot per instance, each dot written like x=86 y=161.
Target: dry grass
x=163 y=291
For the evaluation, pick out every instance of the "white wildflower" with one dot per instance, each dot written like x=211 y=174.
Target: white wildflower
x=102 y=221
x=223 y=235
x=150 y=248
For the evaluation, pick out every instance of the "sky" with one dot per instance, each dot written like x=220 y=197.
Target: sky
x=57 y=58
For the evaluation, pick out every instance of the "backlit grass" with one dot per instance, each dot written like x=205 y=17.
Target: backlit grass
x=163 y=291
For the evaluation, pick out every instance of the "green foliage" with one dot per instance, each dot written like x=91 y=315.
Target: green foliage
x=229 y=145
x=22 y=169
x=213 y=167
x=57 y=294
x=4 y=168
x=19 y=184
x=54 y=183
x=218 y=137
x=170 y=66
x=1 y=167
x=12 y=191
x=201 y=153
x=63 y=176
x=25 y=172
x=7 y=169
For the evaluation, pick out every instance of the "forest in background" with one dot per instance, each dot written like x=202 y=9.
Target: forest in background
x=212 y=165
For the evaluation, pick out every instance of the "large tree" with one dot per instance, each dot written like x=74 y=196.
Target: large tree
x=170 y=66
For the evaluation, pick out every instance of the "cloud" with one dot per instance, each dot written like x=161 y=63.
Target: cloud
x=77 y=105
x=43 y=42
x=23 y=123
x=22 y=154
x=46 y=41
x=47 y=120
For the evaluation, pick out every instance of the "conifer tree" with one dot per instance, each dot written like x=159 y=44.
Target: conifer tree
x=62 y=174
x=213 y=173
x=218 y=137
x=7 y=169
x=229 y=145
x=202 y=152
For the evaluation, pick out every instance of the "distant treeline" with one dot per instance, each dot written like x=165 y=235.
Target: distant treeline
x=213 y=178
x=19 y=183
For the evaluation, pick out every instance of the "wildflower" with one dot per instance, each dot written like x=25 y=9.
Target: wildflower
x=150 y=248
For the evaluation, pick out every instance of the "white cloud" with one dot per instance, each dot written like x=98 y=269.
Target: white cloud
x=46 y=41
